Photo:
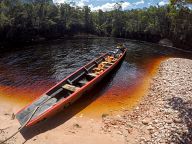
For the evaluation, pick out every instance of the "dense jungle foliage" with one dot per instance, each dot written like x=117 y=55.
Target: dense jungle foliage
x=22 y=22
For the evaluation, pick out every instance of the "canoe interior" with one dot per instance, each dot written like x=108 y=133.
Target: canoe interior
x=68 y=86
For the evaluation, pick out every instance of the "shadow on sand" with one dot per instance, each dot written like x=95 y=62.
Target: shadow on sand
x=185 y=114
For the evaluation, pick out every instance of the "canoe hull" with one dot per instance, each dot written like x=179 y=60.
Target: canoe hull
x=76 y=95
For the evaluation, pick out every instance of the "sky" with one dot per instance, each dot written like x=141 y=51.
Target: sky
x=107 y=5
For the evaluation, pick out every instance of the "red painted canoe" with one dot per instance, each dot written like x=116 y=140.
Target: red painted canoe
x=69 y=89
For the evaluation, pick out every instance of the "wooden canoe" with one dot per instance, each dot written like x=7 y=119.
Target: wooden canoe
x=69 y=89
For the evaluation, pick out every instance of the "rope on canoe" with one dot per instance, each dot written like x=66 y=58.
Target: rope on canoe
x=20 y=128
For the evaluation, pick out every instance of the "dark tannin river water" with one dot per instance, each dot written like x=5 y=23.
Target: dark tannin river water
x=26 y=74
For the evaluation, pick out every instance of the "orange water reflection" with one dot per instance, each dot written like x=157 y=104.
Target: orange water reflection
x=121 y=96
x=118 y=96
x=22 y=95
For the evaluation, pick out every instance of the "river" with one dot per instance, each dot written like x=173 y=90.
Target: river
x=25 y=74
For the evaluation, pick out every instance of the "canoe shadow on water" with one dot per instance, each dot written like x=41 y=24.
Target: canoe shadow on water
x=72 y=110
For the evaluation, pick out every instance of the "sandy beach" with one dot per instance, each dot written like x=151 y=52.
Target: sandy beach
x=162 y=116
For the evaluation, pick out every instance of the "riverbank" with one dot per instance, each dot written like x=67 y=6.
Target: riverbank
x=10 y=46
x=164 y=115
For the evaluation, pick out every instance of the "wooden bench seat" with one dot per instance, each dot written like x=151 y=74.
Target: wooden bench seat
x=106 y=66
x=108 y=63
x=98 y=69
x=105 y=62
x=83 y=81
x=92 y=74
x=70 y=87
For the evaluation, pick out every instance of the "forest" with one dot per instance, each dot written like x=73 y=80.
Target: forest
x=22 y=22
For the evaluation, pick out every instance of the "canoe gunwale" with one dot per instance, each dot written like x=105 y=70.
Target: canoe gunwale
x=75 y=94
x=61 y=82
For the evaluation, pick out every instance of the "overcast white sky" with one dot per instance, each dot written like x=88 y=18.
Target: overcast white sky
x=107 y=5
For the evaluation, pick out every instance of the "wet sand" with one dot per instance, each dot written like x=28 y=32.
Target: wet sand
x=163 y=115
x=59 y=130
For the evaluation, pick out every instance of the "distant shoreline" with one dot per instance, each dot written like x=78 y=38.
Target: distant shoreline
x=9 y=46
